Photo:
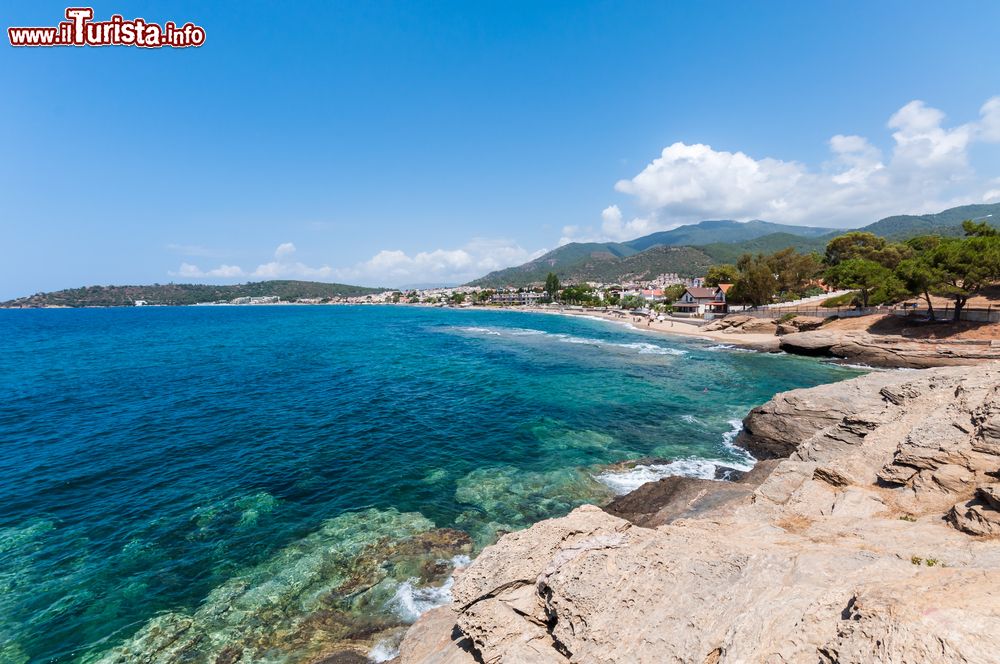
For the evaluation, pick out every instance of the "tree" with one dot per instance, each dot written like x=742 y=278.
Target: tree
x=920 y=278
x=981 y=229
x=756 y=283
x=579 y=294
x=965 y=266
x=552 y=285
x=859 y=244
x=721 y=274
x=861 y=274
x=632 y=302
x=673 y=293
x=457 y=298
x=793 y=271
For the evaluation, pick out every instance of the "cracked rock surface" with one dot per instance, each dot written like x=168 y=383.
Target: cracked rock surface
x=876 y=351
x=874 y=538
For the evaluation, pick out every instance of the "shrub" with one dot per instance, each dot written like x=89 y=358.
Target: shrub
x=845 y=300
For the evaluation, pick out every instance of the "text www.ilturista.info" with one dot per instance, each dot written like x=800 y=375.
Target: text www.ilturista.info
x=80 y=30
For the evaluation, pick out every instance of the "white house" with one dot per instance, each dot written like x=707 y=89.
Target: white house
x=698 y=301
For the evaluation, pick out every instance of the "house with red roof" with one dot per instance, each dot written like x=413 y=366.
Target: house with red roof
x=698 y=301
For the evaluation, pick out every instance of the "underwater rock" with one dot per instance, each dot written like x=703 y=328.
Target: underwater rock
x=504 y=499
x=327 y=595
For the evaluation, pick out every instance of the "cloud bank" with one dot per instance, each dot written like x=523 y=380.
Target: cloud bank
x=389 y=267
x=927 y=169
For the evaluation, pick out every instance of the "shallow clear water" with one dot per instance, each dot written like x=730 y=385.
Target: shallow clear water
x=267 y=475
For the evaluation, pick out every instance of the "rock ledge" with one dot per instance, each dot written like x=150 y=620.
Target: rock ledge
x=872 y=537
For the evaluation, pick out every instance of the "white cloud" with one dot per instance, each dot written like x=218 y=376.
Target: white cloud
x=613 y=227
x=190 y=271
x=283 y=267
x=928 y=170
x=194 y=250
x=386 y=268
x=989 y=121
x=452 y=266
x=284 y=250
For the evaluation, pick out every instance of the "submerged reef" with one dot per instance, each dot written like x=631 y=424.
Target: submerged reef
x=361 y=577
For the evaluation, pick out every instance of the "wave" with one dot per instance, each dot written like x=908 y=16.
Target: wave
x=384 y=650
x=746 y=460
x=622 y=482
x=480 y=330
x=730 y=348
x=526 y=332
x=642 y=348
x=409 y=602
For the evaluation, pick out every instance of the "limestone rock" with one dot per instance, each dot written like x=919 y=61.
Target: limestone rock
x=436 y=639
x=742 y=324
x=812 y=558
x=776 y=429
x=914 y=622
x=863 y=348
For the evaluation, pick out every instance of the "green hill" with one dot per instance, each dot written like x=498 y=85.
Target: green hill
x=722 y=231
x=904 y=226
x=613 y=261
x=602 y=266
x=562 y=261
x=710 y=242
x=685 y=261
x=722 y=252
x=177 y=294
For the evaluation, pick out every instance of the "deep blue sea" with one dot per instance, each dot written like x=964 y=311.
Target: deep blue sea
x=258 y=484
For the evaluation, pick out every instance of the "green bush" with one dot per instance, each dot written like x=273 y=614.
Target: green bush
x=845 y=300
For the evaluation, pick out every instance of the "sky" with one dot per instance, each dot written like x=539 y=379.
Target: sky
x=395 y=144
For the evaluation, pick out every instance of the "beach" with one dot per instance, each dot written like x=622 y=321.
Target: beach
x=674 y=327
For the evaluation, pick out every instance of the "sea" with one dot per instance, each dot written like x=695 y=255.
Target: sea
x=271 y=483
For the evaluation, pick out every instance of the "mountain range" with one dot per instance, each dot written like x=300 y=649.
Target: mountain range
x=691 y=249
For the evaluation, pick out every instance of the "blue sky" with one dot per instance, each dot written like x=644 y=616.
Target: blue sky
x=400 y=143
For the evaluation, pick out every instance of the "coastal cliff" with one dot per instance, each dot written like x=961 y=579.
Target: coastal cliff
x=870 y=536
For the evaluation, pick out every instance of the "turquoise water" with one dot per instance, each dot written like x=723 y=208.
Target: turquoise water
x=257 y=484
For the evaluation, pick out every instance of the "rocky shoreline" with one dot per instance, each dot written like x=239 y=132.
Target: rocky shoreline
x=867 y=534
x=889 y=352
x=807 y=335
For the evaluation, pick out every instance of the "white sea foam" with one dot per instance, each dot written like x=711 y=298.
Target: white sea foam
x=480 y=330
x=652 y=349
x=410 y=602
x=691 y=419
x=383 y=651
x=641 y=347
x=625 y=481
x=730 y=348
x=747 y=460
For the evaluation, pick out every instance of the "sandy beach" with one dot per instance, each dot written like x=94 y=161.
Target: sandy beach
x=762 y=342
